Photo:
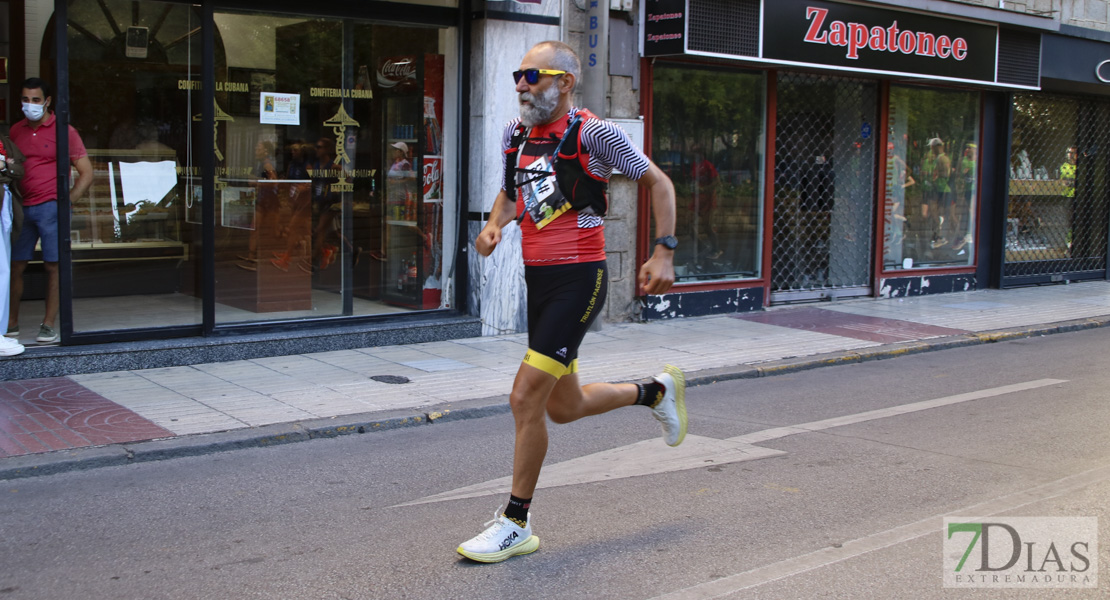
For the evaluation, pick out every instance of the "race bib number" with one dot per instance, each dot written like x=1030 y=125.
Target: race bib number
x=542 y=198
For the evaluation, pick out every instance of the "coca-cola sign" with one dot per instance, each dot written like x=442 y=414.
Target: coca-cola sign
x=397 y=72
x=433 y=178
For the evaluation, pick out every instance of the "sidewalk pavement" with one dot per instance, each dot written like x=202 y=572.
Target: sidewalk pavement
x=85 y=421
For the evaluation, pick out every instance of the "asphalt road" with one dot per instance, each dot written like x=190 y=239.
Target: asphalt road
x=830 y=483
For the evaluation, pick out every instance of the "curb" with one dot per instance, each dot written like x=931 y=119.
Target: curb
x=61 y=461
x=78 y=459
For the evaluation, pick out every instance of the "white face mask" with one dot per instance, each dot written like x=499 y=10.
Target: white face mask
x=33 y=112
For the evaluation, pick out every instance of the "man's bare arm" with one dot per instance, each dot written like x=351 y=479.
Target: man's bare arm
x=84 y=178
x=503 y=211
x=657 y=274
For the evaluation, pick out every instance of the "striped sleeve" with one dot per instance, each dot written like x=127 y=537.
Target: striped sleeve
x=506 y=139
x=610 y=148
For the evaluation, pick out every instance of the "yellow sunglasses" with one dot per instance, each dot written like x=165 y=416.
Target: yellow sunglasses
x=532 y=76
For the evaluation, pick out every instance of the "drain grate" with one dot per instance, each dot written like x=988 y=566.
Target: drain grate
x=390 y=379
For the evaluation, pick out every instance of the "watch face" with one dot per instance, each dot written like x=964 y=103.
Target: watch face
x=668 y=241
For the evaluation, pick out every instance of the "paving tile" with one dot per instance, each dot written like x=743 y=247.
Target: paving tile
x=59 y=413
x=208 y=425
x=269 y=416
x=868 y=328
x=351 y=360
x=27 y=443
x=398 y=354
x=980 y=305
x=438 y=364
x=119 y=380
x=234 y=406
x=275 y=384
x=504 y=347
x=10 y=445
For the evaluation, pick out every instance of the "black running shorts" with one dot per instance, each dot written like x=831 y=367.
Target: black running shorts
x=563 y=300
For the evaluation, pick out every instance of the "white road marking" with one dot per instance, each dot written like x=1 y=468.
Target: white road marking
x=883 y=539
x=648 y=457
x=893 y=411
x=652 y=457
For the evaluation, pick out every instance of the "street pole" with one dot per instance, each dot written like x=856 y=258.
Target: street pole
x=595 y=63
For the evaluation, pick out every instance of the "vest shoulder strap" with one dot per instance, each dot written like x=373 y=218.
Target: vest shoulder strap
x=511 y=157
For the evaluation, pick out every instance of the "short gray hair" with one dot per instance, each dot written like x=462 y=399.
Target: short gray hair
x=565 y=58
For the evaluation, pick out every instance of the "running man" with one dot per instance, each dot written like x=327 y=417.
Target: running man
x=566 y=273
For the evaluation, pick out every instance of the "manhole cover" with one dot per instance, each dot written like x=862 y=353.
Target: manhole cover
x=390 y=378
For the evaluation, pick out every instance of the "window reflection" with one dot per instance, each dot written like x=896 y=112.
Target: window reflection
x=315 y=224
x=136 y=255
x=706 y=135
x=932 y=174
x=309 y=115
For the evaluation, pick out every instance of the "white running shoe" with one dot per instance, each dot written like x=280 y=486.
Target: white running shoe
x=671 y=410
x=10 y=347
x=501 y=540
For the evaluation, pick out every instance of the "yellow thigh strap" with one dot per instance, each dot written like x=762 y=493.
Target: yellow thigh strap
x=549 y=365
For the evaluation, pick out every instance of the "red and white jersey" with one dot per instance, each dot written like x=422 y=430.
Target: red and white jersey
x=573 y=237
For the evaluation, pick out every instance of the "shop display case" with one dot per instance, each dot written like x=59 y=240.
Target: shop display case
x=133 y=200
x=131 y=215
x=413 y=190
x=403 y=245
x=1037 y=226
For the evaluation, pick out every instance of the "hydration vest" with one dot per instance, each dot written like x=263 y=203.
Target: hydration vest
x=579 y=187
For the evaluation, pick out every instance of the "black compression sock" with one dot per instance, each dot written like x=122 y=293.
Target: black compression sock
x=649 y=394
x=517 y=510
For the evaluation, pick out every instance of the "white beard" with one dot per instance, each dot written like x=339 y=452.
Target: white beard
x=540 y=108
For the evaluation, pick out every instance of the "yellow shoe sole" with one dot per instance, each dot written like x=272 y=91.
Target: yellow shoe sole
x=528 y=546
x=679 y=399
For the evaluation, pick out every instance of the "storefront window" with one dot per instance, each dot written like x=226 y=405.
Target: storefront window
x=329 y=165
x=931 y=178
x=134 y=72
x=1057 y=219
x=321 y=208
x=707 y=135
x=824 y=200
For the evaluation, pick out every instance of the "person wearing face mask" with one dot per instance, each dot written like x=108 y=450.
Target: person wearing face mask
x=36 y=136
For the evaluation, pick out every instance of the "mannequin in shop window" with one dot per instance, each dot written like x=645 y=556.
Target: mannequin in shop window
x=1067 y=173
x=941 y=202
x=924 y=226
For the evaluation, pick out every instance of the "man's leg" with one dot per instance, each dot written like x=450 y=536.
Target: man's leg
x=510 y=535
x=51 y=313
x=666 y=395
x=569 y=401
x=16 y=293
x=529 y=398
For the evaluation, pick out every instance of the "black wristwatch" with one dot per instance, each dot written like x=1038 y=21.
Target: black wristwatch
x=668 y=241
